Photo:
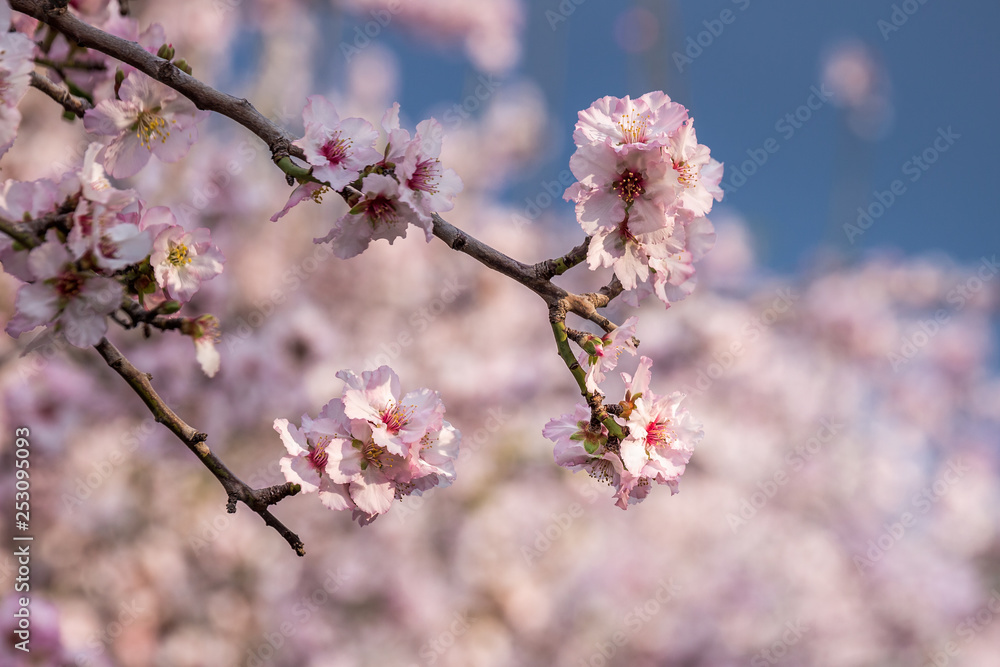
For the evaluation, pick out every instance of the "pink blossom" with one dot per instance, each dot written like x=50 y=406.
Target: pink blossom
x=181 y=260
x=697 y=173
x=337 y=149
x=148 y=119
x=307 y=460
x=76 y=301
x=613 y=183
x=607 y=350
x=379 y=215
x=100 y=234
x=21 y=201
x=424 y=184
x=577 y=448
x=204 y=331
x=661 y=439
x=308 y=190
x=646 y=121
x=16 y=64
x=396 y=423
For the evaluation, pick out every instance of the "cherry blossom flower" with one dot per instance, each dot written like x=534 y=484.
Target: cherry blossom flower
x=424 y=184
x=379 y=215
x=661 y=439
x=23 y=200
x=16 y=64
x=337 y=149
x=204 y=331
x=307 y=460
x=100 y=234
x=646 y=121
x=607 y=350
x=76 y=301
x=697 y=173
x=396 y=423
x=577 y=448
x=148 y=119
x=181 y=260
x=613 y=183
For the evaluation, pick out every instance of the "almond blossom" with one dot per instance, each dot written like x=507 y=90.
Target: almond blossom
x=425 y=185
x=380 y=214
x=148 y=119
x=16 y=64
x=646 y=121
x=661 y=439
x=606 y=351
x=76 y=301
x=181 y=260
x=337 y=149
x=396 y=422
x=366 y=450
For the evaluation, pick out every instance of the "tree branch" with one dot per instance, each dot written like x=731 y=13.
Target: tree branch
x=236 y=489
x=204 y=96
x=72 y=104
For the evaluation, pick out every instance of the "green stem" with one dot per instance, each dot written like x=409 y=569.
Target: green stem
x=562 y=344
x=295 y=171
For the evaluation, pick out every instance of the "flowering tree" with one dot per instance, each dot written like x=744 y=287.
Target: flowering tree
x=93 y=252
x=164 y=225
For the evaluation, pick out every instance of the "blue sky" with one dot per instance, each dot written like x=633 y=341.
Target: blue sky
x=942 y=66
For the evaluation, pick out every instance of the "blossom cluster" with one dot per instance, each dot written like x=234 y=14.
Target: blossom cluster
x=644 y=186
x=16 y=64
x=101 y=245
x=660 y=438
x=388 y=190
x=371 y=446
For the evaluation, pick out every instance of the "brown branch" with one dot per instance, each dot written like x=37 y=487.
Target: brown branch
x=72 y=104
x=204 y=96
x=236 y=489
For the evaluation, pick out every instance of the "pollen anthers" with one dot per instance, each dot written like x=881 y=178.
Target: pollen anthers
x=68 y=284
x=179 y=255
x=687 y=174
x=395 y=417
x=630 y=186
x=660 y=434
x=149 y=126
x=603 y=471
x=425 y=176
x=336 y=149
x=317 y=195
x=633 y=127
x=318 y=456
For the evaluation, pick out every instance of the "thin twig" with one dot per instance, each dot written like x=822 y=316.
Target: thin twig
x=236 y=489
x=72 y=104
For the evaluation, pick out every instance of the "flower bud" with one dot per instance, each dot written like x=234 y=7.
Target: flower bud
x=166 y=52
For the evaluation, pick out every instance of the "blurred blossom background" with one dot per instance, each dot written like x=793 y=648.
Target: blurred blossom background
x=843 y=507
